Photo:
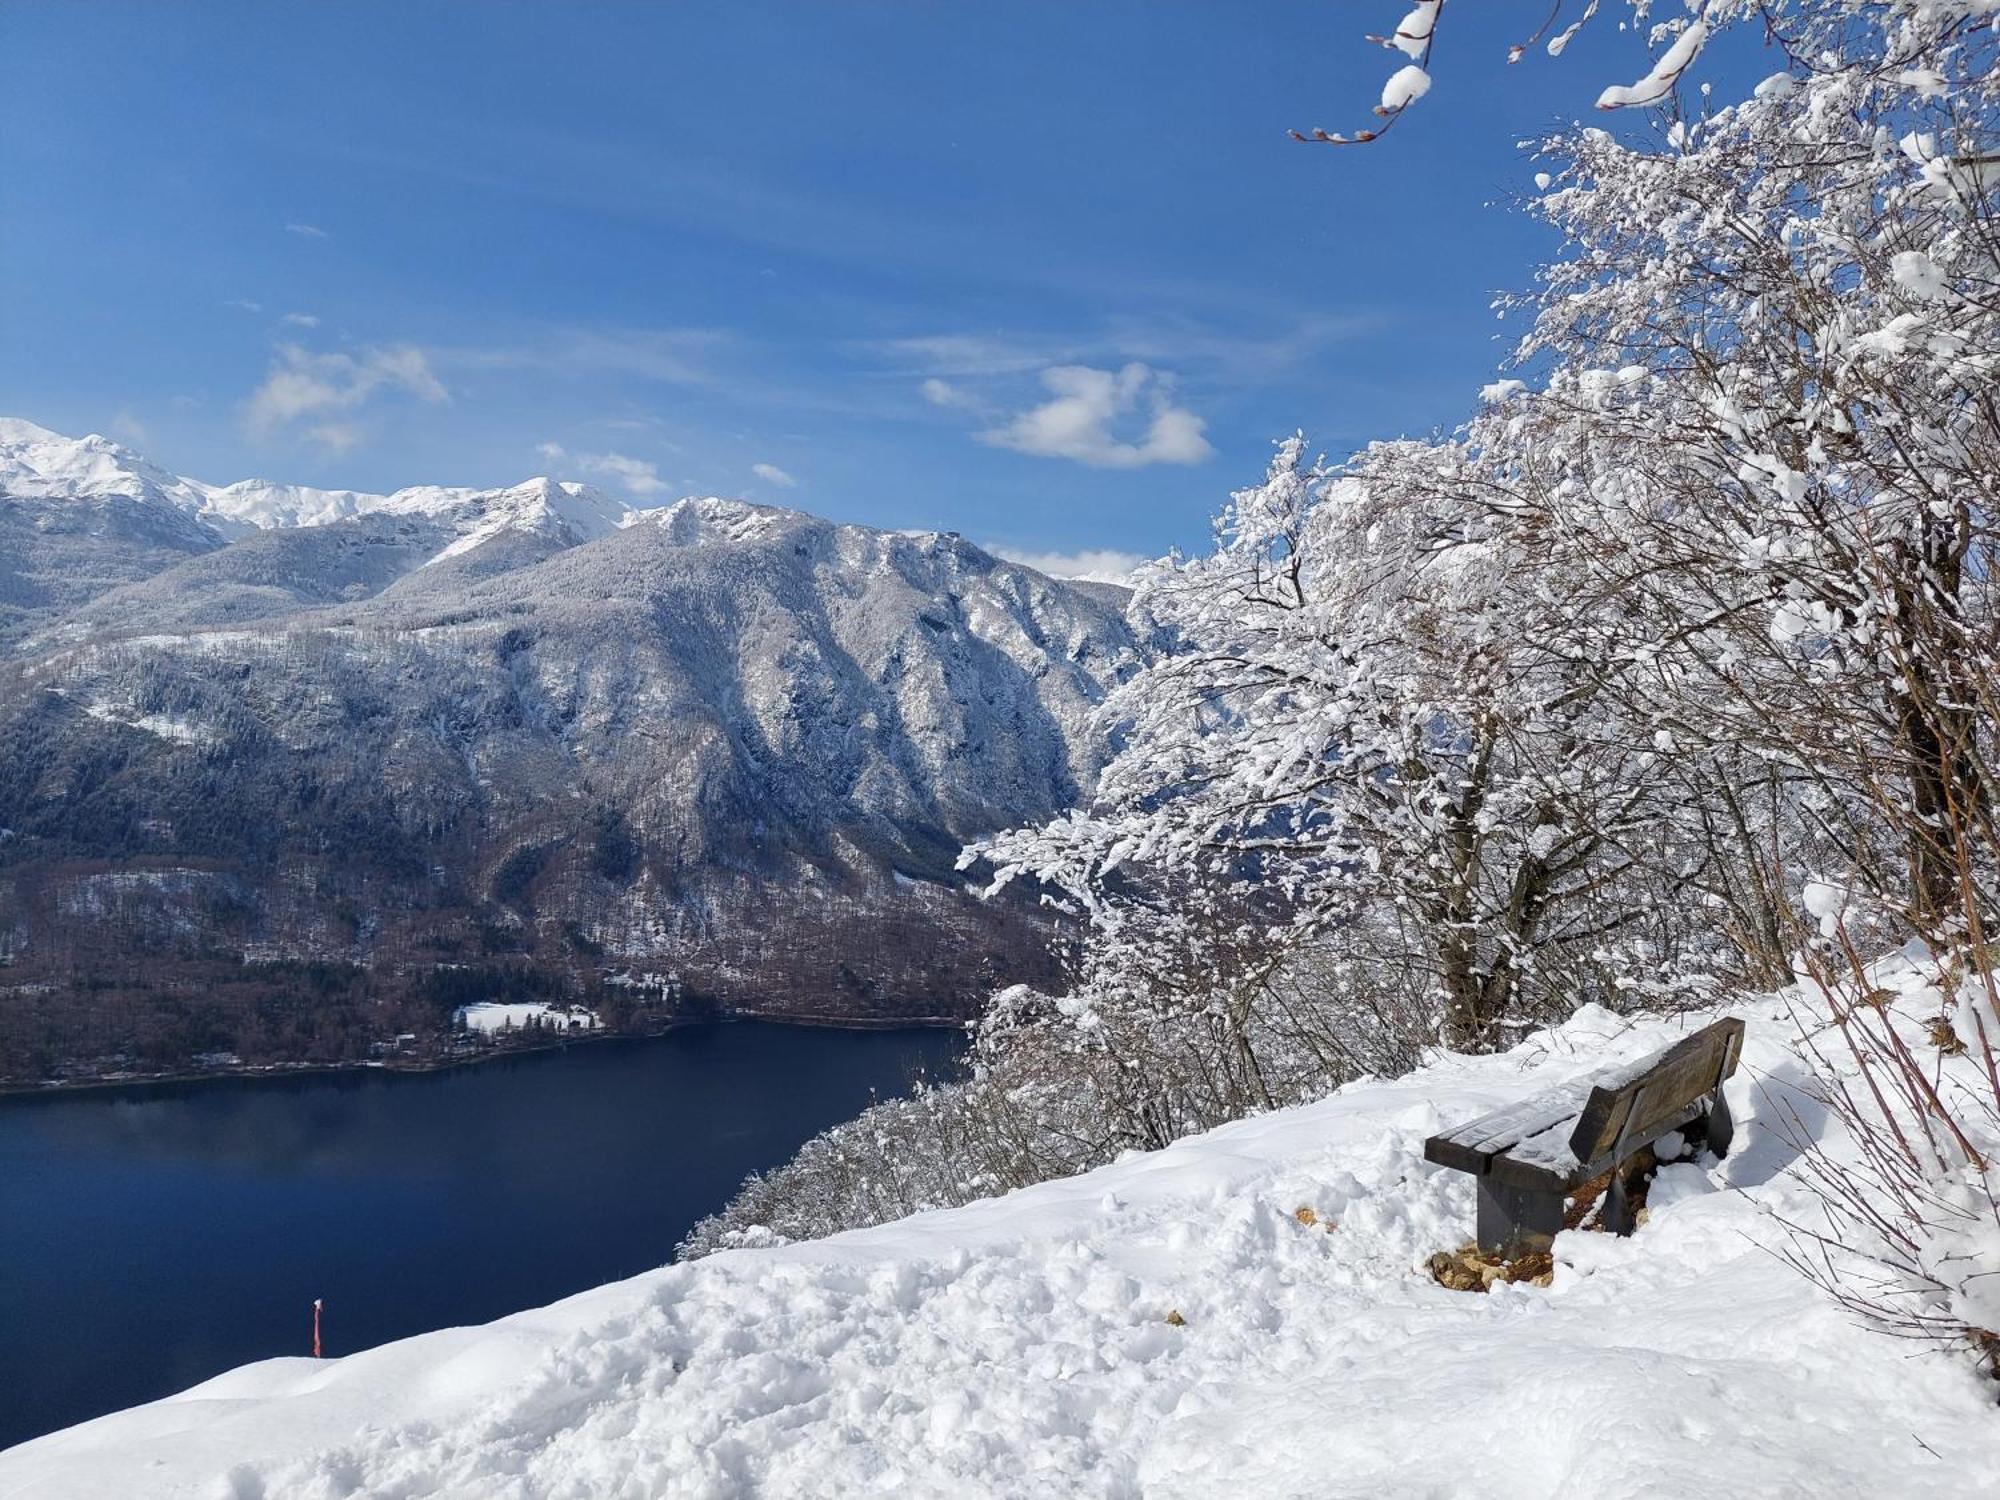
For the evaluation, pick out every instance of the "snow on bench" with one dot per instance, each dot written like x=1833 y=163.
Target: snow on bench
x=1530 y=1156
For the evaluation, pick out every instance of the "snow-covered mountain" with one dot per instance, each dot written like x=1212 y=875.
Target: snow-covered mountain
x=560 y=509
x=37 y=465
x=531 y=733
x=1170 y=1326
x=263 y=504
x=564 y=512
x=81 y=517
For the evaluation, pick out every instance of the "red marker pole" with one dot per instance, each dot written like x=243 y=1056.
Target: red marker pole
x=316 y=1353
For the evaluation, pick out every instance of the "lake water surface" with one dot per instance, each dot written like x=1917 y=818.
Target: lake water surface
x=152 y=1237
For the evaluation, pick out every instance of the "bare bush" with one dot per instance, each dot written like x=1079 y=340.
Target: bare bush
x=1908 y=1230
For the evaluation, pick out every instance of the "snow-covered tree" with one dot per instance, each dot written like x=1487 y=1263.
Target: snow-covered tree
x=1771 y=351
x=1373 y=714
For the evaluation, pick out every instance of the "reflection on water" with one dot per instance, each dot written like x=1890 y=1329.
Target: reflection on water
x=150 y=1238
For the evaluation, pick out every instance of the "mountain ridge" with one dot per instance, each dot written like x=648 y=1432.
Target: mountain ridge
x=525 y=742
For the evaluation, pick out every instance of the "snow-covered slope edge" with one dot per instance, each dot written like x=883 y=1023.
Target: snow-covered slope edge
x=1021 y=1346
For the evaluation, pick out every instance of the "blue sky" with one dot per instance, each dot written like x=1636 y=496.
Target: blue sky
x=1047 y=274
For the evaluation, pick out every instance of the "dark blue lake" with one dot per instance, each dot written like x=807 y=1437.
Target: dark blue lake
x=152 y=1237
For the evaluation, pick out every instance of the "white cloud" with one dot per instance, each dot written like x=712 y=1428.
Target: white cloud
x=303 y=384
x=1093 y=564
x=244 y=304
x=306 y=231
x=636 y=475
x=1077 y=423
x=129 y=427
x=944 y=393
x=300 y=320
x=772 y=474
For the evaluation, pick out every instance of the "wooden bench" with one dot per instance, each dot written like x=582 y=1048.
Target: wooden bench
x=1530 y=1156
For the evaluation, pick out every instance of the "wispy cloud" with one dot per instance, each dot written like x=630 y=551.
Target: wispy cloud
x=129 y=427
x=303 y=385
x=1258 y=350
x=635 y=475
x=976 y=355
x=719 y=362
x=772 y=474
x=335 y=437
x=1093 y=564
x=307 y=231
x=300 y=320
x=1256 y=353
x=671 y=356
x=1077 y=422
x=647 y=424
x=244 y=304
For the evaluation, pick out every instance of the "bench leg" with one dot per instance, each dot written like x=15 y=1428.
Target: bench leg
x=1619 y=1216
x=1516 y=1221
x=1721 y=1127
x=1715 y=1130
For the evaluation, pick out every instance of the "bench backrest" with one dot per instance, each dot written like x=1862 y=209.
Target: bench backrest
x=1643 y=1102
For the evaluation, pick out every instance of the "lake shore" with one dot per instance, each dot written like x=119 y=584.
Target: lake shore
x=56 y=1088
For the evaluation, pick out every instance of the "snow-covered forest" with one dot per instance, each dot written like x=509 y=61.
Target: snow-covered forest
x=1667 y=678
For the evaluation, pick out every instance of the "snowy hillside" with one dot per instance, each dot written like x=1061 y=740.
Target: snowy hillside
x=1029 y=1345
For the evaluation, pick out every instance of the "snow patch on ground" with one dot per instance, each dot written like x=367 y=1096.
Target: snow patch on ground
x=489 y=1016
x=161 y=726
x=1023 y=1346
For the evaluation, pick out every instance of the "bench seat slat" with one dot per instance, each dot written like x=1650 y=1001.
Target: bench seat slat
x=1498 y=1131
x=1548 y=1149
x=1471 y=1145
